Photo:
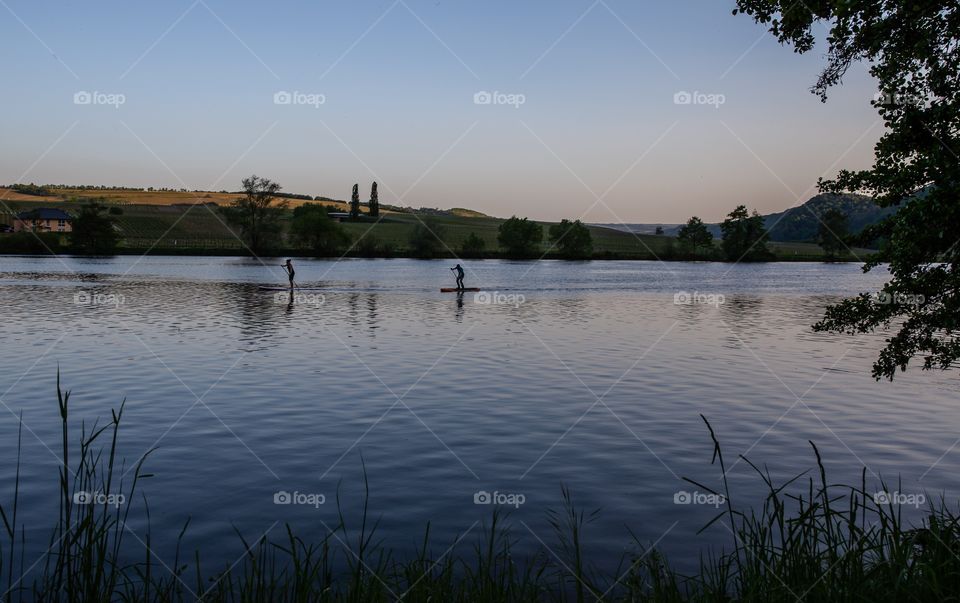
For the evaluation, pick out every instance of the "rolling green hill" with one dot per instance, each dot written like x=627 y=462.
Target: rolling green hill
x=168 y=222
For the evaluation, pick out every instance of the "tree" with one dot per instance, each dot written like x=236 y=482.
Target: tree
x=572 y=239
x=355 y=202
x=519 y=237
x=374 y=206
x=473 y=246
x=658 y=230
x=256 y=214
x=426 y=240
x=910 y=49
x=94 y=230
x=313 y=228
x=833 y=233
x=694 y=235
x=744 y=236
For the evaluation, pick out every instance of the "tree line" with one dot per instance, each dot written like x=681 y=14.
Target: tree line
x=745 y=237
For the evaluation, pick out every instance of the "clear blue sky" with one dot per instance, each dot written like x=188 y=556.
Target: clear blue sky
x=398 y=80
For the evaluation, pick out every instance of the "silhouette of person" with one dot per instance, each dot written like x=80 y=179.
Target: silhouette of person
x=290 y=271
x=459 y=271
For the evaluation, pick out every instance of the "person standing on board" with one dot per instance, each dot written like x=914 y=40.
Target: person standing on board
x=290 y=272
x=459 y=270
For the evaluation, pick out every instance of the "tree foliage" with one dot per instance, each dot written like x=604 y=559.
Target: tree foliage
x=426 y=240
x=572 y=239
x=833 y=233
x=374 y=206
x=473 y=245
x=256 y=213
x=519 y=237
x=94 y=230
x=355 y=202
x=314 y=229
x=911 y=50
x=744 y=236
x=694 y=236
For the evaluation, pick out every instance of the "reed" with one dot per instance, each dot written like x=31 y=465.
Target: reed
x=807 y=540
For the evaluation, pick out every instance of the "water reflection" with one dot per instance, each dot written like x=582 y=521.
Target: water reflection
x=458 y=314
x=283 y=392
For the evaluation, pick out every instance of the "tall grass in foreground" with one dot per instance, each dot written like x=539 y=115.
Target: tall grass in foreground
x=831 y=542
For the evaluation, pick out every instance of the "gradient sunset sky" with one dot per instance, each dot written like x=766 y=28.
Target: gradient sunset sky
x=586 y=123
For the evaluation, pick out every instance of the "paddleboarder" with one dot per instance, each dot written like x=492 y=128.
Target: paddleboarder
x=290 y=272
x=459 y=270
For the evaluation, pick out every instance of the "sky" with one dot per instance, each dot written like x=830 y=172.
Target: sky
x=604 y=110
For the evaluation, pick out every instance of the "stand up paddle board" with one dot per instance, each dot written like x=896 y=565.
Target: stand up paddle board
x=266 y=288
x=452 y=289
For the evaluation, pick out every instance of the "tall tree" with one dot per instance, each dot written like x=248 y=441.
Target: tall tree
x=473 y=246
x=374 y=206
x=355 y=202
x=572 y=239
x=833 y=233
x=256 y=213
x=910 y=49
x=519 y=237
x=744 y=236
x=314 y=229
x=694 y=236
x=426 y=239
x=94 y=230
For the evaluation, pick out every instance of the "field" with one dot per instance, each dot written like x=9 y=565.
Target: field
x=185 y=222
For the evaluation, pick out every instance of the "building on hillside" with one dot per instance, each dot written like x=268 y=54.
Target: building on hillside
x=44 y=219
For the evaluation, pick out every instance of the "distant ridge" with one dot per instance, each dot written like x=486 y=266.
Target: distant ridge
x=797 y=224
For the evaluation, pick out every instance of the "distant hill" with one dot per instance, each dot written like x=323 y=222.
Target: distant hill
x=801 y=223
x=797 y=224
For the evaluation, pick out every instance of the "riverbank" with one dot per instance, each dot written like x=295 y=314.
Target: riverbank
x=200 y=229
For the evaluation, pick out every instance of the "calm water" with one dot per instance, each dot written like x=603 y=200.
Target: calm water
x=587 y=375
